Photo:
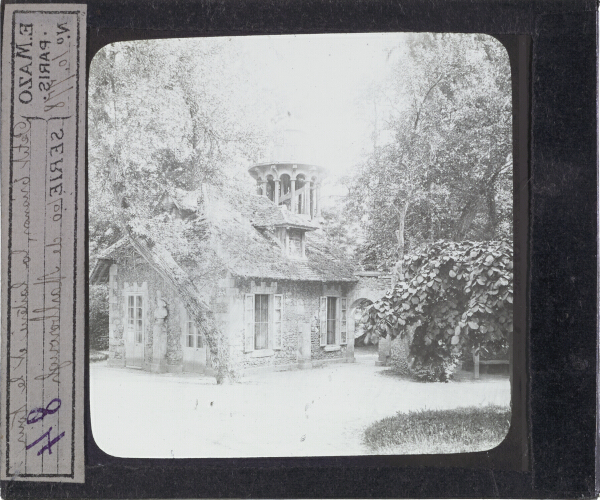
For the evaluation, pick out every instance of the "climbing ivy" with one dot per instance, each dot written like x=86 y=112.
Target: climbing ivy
x=455 y=297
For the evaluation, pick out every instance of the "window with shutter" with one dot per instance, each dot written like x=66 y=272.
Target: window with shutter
x=261 y=322
x=277 y=321
x=332 y=322
x=194 y=337
x=249 y=322
x=323 y=321
x=343 y=321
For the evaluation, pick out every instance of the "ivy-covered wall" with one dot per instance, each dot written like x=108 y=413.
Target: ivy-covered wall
x=135 y=272
x=300 y=317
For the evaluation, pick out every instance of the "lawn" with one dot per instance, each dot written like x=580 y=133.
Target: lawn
x=316 y=412
x=458 y=430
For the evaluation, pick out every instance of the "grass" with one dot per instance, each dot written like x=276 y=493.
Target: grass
x=439 y=431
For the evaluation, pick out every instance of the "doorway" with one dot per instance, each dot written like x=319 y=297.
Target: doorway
x=134 y=334
x=194 y=348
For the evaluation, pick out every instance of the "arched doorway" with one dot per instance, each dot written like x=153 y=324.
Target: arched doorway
x=364 y=344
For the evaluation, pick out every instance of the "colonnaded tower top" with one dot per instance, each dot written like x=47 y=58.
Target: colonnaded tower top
x=289 y=178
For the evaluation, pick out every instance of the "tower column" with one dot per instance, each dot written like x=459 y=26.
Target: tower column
x=293 y=192
x=276 y=194
x=306 y=198
x=263 y=187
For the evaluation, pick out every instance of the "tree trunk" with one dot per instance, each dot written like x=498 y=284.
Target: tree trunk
x=492 y=213
x=479 y=195
x=399 y=267
x=467 y=216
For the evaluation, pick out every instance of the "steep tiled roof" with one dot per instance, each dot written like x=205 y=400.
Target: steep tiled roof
x=262 y=212
x=258 y=253
x=241 y=230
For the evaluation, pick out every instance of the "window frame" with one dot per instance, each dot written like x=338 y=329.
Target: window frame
x=274 y=323
x=191 y=331
x=332 y=304
x=341 y=321
x=261 y=299
x=132 y=322
x=185 y=322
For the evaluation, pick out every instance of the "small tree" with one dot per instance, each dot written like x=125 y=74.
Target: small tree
x=457 y=297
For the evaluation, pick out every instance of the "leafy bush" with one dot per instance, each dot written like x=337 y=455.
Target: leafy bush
x=456 y=297
x=98 y=317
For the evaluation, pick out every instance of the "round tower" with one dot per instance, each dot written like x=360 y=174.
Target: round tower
x=289 y=178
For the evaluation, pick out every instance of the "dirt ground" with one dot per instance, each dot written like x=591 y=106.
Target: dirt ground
x=315 y=412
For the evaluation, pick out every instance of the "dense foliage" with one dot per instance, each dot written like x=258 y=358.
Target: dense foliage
x=456 y=297
x=155 y=132
x=98 y=317
x=163 y=120
x=440 y=166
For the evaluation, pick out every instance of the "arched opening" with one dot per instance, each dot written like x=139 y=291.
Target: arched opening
x=364 y=344
x=300 y=183
x=286 y=184
x=285 y=190
x=270 y=188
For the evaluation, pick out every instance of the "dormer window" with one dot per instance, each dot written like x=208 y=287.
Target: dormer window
x=295 y=243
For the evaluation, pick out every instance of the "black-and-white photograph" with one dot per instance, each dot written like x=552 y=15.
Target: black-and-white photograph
x=300 y=245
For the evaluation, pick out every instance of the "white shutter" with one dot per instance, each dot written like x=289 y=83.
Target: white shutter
x=323 y=321
x=337 y=321
x=343 y=321
x=277 y=320
x=249 y=322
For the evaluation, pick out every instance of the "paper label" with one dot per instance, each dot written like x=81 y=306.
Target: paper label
x=43 y=215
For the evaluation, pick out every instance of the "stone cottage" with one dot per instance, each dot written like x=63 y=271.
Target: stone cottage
x=281 y=295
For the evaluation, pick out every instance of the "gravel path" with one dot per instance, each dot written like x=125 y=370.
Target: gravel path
x=322 y=411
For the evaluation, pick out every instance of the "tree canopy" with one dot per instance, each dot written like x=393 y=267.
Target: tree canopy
x=440 y=165
x=163 y=119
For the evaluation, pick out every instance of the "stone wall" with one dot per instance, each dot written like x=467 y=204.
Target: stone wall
x=134 y=272
x=300 y=314
x=116 y=342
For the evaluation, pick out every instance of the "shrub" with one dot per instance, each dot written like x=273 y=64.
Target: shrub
x=457 y=297
x=98 y=317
